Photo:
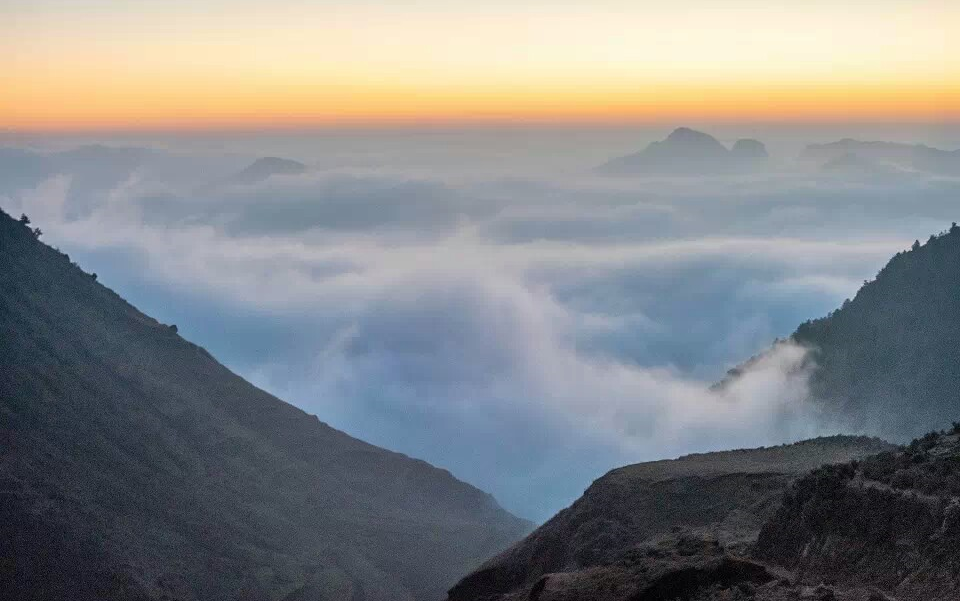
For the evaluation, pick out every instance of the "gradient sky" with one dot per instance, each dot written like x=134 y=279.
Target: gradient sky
x=115 y=64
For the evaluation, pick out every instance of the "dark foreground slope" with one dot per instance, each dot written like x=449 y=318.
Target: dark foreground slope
x=134 y=466
x=639 y=529
x=888 y=361
x=891 y=521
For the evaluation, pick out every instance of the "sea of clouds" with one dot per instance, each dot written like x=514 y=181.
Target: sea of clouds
x=526 y=329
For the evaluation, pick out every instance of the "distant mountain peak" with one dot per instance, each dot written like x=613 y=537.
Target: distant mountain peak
x=266 y=167
x=687 y=151
x=277 y=163
x=685 y=134
x=748 y=148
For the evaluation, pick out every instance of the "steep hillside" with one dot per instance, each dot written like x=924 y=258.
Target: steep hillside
x=134 y=466
x=890 y=521
x=888 y=361
x=884 y=524
x=637 y=521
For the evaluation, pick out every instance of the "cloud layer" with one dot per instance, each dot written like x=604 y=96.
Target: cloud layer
x=527 y=332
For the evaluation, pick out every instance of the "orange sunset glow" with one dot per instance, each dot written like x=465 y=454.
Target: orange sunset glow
x=226 y=65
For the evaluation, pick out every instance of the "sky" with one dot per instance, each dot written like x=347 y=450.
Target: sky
x=218 y=64
x=484 y=300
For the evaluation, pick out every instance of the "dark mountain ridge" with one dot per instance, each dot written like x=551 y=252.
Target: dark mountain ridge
x=888 y=361
x=134 y=466
x=881 y=527
x=722 y=497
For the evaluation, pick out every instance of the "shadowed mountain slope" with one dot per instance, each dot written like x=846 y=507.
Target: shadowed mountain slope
x=885 y=527
x=638 y=520
x=888 y=361
x=134 y=466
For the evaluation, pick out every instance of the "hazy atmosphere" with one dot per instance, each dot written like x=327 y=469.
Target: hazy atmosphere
x=487 y=300
x=618 y=300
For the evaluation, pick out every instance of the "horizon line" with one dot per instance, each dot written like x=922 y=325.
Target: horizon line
x=466 y=124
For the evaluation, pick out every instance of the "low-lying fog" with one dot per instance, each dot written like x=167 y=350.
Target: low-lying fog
x=484 y=300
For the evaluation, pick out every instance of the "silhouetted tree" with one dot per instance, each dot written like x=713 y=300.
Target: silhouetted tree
x=37 y=232
x=916 y=245
x=24 y=219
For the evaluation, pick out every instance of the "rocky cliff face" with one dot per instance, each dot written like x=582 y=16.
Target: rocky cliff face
x=134 y=466
x=890 y=521
x=650 y=512
x=882 y=527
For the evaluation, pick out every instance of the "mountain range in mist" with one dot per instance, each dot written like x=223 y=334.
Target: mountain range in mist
x=917 y=157
x=267 y=167
x=134 y=466
x=97 y=168
x=689 y=152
